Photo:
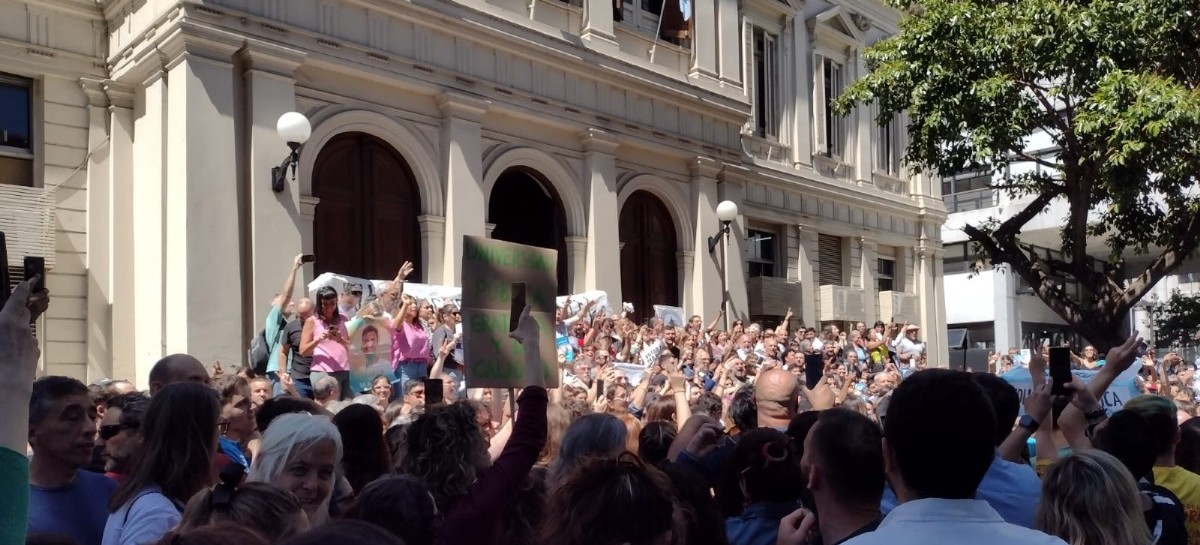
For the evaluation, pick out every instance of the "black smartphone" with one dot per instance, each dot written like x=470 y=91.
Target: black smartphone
x=35 y=266
x=433 y=392
x=518 y=305
x=4 y=280
x=1060 y=369
x=814 y=370
x=308 y=258
x=600 y=387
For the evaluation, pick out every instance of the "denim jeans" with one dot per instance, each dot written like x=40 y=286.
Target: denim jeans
x=406 y=371
x=303 y=387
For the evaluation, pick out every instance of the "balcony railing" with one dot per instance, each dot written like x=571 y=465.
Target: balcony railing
x=970 y=200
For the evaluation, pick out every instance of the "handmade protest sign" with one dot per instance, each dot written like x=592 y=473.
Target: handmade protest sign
x=1120 y=391
x=493 y=359
x=671 y=316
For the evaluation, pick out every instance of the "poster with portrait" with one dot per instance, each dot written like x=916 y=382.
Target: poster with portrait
x=370 y=352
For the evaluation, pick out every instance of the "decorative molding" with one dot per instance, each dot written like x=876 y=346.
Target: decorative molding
x=562 y=179
x=598 y=141
x=94 y=89
x=120 y=95
x=703 y=167
x=258 y=55
x=461 y=106
x=673 y=199
x=308 y=207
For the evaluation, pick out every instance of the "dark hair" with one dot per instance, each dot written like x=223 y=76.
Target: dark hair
x=596 y=434
x=704 y=524
x=323 y=294
x=50 y=539
x=655 y=441
x=400 y=504
x=179 y=435
x=1162 y=416
x=848 y=446
x=231 y=386
x=132 y=406
x=1187 y=452
x=1004 y=400
x=662 y=409
x=217 y=534
x=262 y=507
x=576 y=408
x=1128 y=438
x=610 y=500
x=708 y=403
x=345 y=532
x=445 y=448
x=47 y=390
x=799 y=427
x=764 y=467
x=364 y=454
x=525 y=514
x=938 y=411
x=369 y=329
x=278 y=406
x=743 y=410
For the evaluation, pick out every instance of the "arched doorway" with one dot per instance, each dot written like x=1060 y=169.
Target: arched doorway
x=366 y=220
x=526 y=210
x=649 y=269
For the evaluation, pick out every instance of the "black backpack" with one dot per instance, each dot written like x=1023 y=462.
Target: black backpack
x=259 y=354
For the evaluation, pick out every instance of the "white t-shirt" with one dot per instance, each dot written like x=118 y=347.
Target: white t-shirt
x=143 y=520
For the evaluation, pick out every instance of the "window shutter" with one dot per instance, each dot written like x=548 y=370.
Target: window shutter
x=829 y=255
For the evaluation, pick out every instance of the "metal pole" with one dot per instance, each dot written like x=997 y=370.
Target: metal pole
x=725 y=276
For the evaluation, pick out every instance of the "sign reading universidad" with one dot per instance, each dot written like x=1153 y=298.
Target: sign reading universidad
x=489 y=269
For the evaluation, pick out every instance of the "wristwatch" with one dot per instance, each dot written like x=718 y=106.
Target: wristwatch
x=1028 y=423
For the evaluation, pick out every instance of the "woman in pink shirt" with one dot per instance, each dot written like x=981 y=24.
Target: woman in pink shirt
x=327 y=341
x=410 y=346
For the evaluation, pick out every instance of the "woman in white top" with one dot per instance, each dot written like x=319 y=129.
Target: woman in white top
x=178 y=438
x=301 y=454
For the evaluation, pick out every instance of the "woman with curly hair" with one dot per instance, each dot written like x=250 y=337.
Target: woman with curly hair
x=447 y=450
x=611 y=500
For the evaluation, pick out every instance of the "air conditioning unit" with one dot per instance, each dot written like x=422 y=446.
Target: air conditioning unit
x=770 y=296
x=899 y=306
x=842 y=303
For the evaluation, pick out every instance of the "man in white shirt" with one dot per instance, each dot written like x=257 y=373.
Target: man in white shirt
x=937 y=446
x=907 y=347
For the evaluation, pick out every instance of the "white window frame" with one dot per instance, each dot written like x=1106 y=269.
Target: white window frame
x=837 y=40
x=24 y=153
x=768 y=120
x=751 y=247
x=832 y=133
x=880 y=276
x=637 y=16
x=889 y=147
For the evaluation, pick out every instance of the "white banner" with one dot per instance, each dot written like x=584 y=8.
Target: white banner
x=1121 y=390
x=671 y=316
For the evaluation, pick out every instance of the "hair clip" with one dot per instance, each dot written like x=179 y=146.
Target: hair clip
x=231 y=477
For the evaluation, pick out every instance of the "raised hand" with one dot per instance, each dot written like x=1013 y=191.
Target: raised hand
x=1119 y=358
x=405 y=270
x=794 y=528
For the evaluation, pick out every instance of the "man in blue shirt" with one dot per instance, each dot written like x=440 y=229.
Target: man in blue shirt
x=63 y=499
x=281 y=309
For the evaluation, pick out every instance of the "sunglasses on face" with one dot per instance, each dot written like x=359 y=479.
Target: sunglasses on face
x=111 y=430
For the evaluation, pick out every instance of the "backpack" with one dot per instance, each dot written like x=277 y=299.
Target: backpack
x=259 y=354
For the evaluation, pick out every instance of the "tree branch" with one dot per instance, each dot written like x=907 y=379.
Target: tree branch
x=1012 y=226
x=1174 y=255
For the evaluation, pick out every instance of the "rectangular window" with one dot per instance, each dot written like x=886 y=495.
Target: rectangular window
x=829 y=260
x=970 y=190
x=885 y=278
x=888 y=147
x=643 y=14
x=16 y=131
x=766 y=84
x=761 y=251
x=835 y=125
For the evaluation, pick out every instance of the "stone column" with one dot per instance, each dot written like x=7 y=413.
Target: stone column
x=99 y=232
x=1007 y=319
x=433 y=243
x=707 y=40
x=273 y=233
x=938 y=348
x=929 y=312
x=598 y=25
x=687 y=263
x=203 y=289
x=732 y=188
x=802 y=131
x=864 y=134
x=868 y=250
x=707 y=268
x=806 y=274
x=602 y=263
x=577 y=249
x=729 y=41
x=121 y=171
x=462 y=170
x=146 y=221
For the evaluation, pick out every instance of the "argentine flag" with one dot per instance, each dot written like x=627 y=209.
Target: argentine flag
x=685 y=7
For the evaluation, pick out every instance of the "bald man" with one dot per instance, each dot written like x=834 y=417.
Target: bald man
x=290 y=358
x=176 y=368
x=777 y=393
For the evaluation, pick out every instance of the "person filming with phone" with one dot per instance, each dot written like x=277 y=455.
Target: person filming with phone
x=327 y=341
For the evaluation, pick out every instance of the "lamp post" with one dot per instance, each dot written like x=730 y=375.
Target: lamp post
x=727 y=211
x=294 y=129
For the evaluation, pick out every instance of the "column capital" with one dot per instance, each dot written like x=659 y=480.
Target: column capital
x=733 y=173
x=461 y=106
x=431 y=224
x=308 y=207
x=598 y=141
x=868 y=242
x=94 y=89
x=703 y=167
x=260 y=56
x=189 y=40
x=120 y=95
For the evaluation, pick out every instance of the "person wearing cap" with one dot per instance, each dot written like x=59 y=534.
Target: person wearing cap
x=350 y=299
x=907 y=347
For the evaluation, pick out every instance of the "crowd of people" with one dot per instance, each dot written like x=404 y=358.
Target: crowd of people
x=707 y=433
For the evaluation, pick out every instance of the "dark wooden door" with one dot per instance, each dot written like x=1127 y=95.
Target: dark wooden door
x=366 y=220
x=526 y=210
x=649 y=266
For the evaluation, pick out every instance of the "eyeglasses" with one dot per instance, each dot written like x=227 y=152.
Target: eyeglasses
x=223 y=427
x=111 y=430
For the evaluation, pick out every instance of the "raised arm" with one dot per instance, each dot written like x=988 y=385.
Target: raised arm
x=782 y=330
x=1118 y=360
x=712 y=326
x=289 y=284
x=443 y=352
x=401 y=315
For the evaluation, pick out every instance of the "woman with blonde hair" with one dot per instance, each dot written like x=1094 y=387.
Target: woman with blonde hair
x=557 y=420
x=1090 y=498
x=301 y=453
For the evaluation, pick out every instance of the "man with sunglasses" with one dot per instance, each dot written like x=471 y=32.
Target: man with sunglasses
x=118 y=437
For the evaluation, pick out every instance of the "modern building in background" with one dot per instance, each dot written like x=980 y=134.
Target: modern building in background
x=995 y=306
x=139 y=139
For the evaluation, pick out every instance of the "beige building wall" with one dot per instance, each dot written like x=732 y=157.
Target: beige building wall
x=168 y=238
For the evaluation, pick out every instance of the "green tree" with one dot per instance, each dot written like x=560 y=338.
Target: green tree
x=1177 y=321
x=1112 y=82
